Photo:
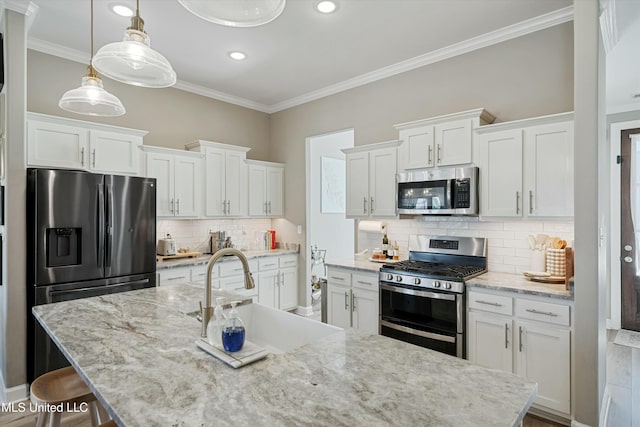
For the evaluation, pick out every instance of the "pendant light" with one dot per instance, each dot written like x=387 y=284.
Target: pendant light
x=91 y=98
x=235 y=13
x=132 y=60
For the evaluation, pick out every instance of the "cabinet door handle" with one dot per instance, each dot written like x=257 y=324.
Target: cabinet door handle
x=365 y=205
x=177 y=206
x=346 y=300
x=429 y=161
x=495 y=304
x=546 y=313
x=269 y=206
x=353 y=302
x=517 y=202
x=176 y=278
x=506 y=335
x=530 y=201
x=172 y=207
x=520 y=337
x=265 y=207
x=224 y=207
x=438 y=153
x=371 y=204
x=93 y=157
x=82 y=156
x=228 y=207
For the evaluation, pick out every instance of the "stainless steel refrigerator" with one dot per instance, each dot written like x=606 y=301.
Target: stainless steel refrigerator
x=87 y=235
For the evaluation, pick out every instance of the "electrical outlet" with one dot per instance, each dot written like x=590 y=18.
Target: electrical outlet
x=299 y=229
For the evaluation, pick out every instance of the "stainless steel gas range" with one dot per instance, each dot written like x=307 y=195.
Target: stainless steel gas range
x=422 y=299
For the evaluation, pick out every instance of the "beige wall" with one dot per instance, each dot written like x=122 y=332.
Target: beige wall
x=172 y=117
x=525 y=77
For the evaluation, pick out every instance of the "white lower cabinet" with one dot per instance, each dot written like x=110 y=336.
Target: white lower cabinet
x=528 y=337
x=352 y=299
x=173 y=275
x=278 y=278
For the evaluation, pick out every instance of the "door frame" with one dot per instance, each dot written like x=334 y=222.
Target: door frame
x=615 y=284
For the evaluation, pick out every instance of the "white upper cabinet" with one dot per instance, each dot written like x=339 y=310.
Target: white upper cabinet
x=226 y=178
x=266 y=189
x=440 y=141
x=526 y=167
x=179 y=178
x=371 y=180
x=73 y=144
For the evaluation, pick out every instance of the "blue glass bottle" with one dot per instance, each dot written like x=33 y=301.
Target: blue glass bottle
x=233 y=333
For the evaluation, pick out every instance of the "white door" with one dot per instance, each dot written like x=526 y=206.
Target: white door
x=453 y=143
x=417 y=148
x=501 y=173
x=339 y=306
x=161 y=167
x=114 y=152
x=490 y=341
x=365 y=308
x=275 y=190
x=382 y=182
x=235 y=185
x=544 y=356
x=187 y=186
x=288 y=288
x=215 y=185
x=54 y=145
x=357 y=180
x=268 y=290
x=549 y=170
x=257 y=190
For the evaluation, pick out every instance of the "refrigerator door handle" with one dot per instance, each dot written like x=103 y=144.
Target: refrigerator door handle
x=95 y=288
x=109 y=228
x=100 y=227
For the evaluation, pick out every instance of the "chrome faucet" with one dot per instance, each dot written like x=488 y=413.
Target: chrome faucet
x=206 y=311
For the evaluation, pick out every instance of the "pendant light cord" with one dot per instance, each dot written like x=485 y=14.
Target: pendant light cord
x=92 y=71
x=91 y=30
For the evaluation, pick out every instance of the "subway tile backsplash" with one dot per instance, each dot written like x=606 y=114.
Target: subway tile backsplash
x=508 y=247
x=194 y=233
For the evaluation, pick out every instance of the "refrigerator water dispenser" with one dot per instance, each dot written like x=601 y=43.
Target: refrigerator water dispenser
x=63 y=246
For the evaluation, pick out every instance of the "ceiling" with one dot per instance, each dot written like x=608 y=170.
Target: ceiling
x=302 y=55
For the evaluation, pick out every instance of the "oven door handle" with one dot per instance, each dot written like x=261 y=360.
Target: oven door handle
x=434 y=295
x=412 y=331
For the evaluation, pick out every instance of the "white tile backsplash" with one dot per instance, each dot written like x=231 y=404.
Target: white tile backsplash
x=194 y=233
x=508 y=247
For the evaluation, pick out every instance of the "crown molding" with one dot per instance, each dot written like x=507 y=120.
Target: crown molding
x=25 y=7
x=609 y=26
x=519 y=29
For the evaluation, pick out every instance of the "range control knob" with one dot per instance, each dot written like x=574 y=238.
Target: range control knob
x=389 y=276
x=447 y=285
x=416 y=281
x=436 y=284
x=398 y=278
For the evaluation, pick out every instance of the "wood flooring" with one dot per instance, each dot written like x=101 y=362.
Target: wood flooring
x=28 y=419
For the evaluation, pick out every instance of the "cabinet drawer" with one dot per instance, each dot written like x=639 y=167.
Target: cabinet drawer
x=234 y=268
x=491 y=303
x=174 y=275
x=339 y=277
x=288 y=261
x=268 y=263
x=364 y=281
x=199 y=273
x=543 y=311
x=236 y=285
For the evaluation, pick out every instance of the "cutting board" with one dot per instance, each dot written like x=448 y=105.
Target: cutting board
x=178 y=256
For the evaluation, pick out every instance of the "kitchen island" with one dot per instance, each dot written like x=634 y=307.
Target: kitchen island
x=136 y=352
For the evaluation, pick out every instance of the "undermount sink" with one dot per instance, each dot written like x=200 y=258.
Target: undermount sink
x=278 y=331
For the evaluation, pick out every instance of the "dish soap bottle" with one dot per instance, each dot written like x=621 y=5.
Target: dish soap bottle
x=216 y=323
x=233 y=332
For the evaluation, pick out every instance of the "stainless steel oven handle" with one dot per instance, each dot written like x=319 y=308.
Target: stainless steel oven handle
x=406 y=291
x=412 y=331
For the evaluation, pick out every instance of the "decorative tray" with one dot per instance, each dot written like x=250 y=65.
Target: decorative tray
x=543 y=277
x=384 y=261
x=248 y=354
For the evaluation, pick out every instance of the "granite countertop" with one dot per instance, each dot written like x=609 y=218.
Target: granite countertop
x=182 y=262
x=136 y=351
x=519 y=284
x=356 y=264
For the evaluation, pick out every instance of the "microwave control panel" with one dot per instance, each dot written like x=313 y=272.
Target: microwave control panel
x=462 y=193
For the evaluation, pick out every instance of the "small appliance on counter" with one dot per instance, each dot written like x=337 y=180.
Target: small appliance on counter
x=166 y=246
x=219 y=240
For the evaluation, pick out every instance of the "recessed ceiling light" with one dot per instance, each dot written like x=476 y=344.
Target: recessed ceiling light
x=122 y=10
x=325 y=6
x=238 y=56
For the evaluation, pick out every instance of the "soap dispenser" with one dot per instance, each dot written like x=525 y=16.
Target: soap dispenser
x=233 y=331
x=217 y=322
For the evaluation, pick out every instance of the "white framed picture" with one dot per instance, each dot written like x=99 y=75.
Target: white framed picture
x=333 y=198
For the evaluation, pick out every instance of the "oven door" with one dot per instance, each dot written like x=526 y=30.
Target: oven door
x=430 y=319
x=424 y=197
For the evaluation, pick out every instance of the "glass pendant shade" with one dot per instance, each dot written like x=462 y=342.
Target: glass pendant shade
x=235 y=13
x=132 y=61
x=91 y=99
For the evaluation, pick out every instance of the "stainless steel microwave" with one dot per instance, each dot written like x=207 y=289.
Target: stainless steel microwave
x=441 y=191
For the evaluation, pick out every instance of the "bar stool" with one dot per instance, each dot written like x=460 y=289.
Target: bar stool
x=62 y=386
